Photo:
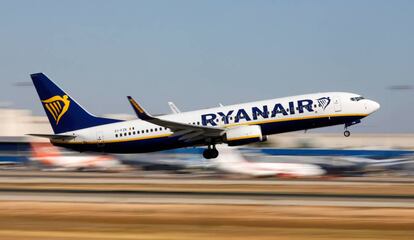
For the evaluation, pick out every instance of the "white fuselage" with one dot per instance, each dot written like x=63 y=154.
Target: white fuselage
x=273 y=116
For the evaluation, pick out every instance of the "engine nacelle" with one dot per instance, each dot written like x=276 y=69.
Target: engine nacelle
x=244 y=135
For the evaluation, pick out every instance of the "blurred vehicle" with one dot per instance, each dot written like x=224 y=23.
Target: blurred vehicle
x=318 y=152
x=13 y=152
x=240 y=124
x=52 y=158
x=232 y=161
x=12 y=161
x=338 y=162
x=392 y=165
x=164 y=161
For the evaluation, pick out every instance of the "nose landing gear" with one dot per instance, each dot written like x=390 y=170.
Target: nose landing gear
x=210 y=152
x=346 y=132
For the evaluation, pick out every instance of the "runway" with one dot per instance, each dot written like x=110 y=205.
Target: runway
x=154 y=205
x=178 y=189
x=168 y=177
x=228 y=198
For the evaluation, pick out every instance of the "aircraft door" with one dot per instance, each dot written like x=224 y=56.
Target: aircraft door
x=337 y=104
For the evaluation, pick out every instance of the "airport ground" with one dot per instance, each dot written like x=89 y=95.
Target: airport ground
x=51 y=205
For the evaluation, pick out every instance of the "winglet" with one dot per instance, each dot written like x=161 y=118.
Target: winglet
x=139 y=110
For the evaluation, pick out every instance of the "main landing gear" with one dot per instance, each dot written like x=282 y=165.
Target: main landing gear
x=346 y=132
x=210 y=152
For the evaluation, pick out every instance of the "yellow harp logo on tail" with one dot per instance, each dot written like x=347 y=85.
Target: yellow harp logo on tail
x=57 y=106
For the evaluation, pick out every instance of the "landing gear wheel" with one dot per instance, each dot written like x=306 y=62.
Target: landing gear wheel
x=210 y=153
x=348 y=124
x=206 y=154
x=214 y=153
x=347 y=133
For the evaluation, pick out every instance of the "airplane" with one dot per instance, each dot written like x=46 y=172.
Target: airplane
x=50 y=156
x=232 y=161
x=77 y=129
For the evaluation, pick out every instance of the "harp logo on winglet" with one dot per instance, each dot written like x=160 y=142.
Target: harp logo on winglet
x=136 y=106
x=57 y=106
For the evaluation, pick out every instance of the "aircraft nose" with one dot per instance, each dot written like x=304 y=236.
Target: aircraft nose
x=372 y=106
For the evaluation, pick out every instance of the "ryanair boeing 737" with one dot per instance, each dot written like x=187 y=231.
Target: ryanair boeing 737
x=239 y=124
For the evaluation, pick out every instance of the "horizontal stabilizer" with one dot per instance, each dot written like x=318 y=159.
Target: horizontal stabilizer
x=53 y=136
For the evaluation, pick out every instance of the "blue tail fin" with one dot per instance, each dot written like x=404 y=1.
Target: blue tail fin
x=64 y=113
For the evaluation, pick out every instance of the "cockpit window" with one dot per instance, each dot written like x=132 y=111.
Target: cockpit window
x=356 y=99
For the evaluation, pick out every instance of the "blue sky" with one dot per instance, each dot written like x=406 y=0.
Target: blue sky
x=200 y=53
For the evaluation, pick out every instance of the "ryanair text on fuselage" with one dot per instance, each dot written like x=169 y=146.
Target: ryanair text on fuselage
x=257 y=112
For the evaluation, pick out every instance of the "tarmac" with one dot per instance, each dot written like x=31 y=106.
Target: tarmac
x=156 y=205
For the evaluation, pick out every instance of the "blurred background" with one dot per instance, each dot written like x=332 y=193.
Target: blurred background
x=199 y=54
x=362 y=153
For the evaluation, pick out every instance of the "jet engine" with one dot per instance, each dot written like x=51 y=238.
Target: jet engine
x=244 y=135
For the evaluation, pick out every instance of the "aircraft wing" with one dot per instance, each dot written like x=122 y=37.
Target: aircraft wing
x=187 y=132
x=53 y=136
